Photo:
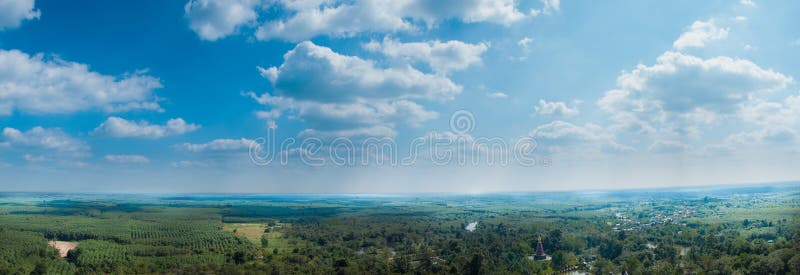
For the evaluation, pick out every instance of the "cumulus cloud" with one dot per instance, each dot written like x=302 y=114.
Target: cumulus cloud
x=219 y=145
x=131 y=159
x=46 y=141
x=442 y=57
x=681 y=93
x=122 y=128
x=555 y=108
x=548 y=6
x=307 y=19
x=39 y=85
x=13 y=12
x=560 y=136
x=215 y=19
x=772 y=113
x=699 y=34
x=302 y=20
x=330 y=91
x=315 y=72
x=748 y=3
x=330 y=116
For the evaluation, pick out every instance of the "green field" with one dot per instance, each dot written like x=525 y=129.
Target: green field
x=737 y=230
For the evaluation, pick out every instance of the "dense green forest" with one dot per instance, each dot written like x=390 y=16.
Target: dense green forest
x=754 y=230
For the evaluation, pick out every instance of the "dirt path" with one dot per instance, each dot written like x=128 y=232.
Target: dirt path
x=63 y=247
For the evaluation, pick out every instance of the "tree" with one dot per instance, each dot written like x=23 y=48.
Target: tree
x=264 y=241
x=632 y=265
x=474 y=266
x=610 y=249
x=559 y=260
x=604 y=267
x=794 y=264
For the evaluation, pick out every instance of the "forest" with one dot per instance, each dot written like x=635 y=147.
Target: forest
x=731 y=230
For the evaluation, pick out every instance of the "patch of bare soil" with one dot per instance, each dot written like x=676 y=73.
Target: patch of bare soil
x=63 y=247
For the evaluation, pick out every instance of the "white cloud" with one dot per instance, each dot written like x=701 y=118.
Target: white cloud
x=34 y=84
x=308 y=19
x=13 y=12
x=331 y=92
x=369 y=131
x=769 y=113
x=358 y=114
x=119 y=127
x=769 y=135
x=548 y=6
x=497 y=95
x=442 y=57
x=215 y=19
x=559 y=136
x=134 y=159
x=51 y=141
x=740 y=18
x=749 y=3
x=188 y=164
x=315 y=72
x=681 y=93
x=699 y=34
x=219 y=145
x=555 y=108
x=525 y=42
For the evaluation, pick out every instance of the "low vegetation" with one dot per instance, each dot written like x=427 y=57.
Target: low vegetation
x=752 y=230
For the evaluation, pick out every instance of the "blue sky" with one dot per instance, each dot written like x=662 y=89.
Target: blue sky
x=168 y=96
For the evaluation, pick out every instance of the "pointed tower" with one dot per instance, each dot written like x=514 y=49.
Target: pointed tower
x=540 y=256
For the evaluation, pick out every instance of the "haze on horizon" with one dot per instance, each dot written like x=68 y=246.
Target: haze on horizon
x=187 y=96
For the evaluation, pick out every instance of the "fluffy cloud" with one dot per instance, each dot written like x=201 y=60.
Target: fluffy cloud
x=681 y=93
x=34 y=84
x=13 y=12
x=334 y=92
x=548 y=6
x=559 y=136
x=699 y=34
x=134 y=159
x=330 y=116
x=50 y=141
x=555 y=108
x=119 y=127
x=770 y=113
x=308 y=19
x=748 y=3
x=302 y=20
x=219 y=145
x=315 y=72
x=442 y=57
x=215 y=19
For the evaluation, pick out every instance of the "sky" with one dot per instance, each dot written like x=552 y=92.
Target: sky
x=281 y=96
